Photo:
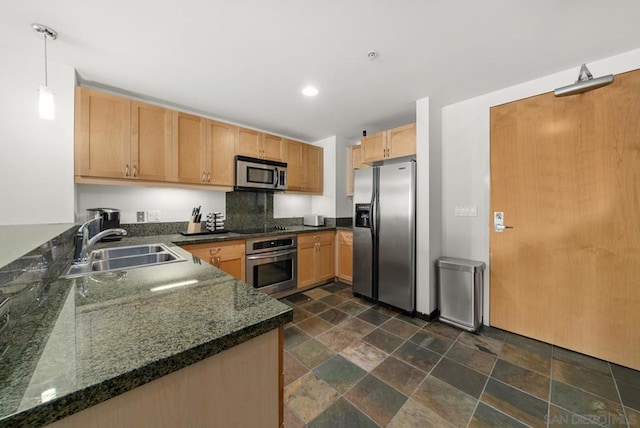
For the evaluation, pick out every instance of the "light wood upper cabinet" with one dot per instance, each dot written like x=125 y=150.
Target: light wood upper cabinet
x=314 y=168
x=120 y=141
x=189 y=148
x=259 y=145
x=315 y=258
x=248 y=143
x=273 y=147
x=354 y=161
x=103 y=135
x=374 y=147
x=295 y=167
x=304 y=167
x=120 y=138
x=228 y=256
x=345 y=255
x=393 y=143
x=401 y=141
x=220 y=163
x=150 y=142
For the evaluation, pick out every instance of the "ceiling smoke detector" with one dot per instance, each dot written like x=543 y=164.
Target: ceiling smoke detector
x=372 y=55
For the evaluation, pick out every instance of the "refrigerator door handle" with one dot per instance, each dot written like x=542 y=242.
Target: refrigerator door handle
x=372 y=215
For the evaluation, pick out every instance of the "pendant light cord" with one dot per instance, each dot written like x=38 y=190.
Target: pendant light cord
x=46 y=81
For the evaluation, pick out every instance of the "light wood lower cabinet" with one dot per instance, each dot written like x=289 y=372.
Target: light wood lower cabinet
x=345 y=255
x=228 y=256
x=315 y=258
x=214 y=392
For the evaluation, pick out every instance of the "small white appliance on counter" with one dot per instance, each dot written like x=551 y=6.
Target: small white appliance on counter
x=313 y=220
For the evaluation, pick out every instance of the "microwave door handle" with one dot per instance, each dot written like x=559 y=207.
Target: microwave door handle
x=276 y=177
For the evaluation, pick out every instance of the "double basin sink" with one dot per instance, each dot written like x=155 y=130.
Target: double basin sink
x=110 y=259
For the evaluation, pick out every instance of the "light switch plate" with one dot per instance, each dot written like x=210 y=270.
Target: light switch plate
x=465 y=211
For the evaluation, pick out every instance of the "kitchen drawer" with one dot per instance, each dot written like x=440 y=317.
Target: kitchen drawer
x=228 y=256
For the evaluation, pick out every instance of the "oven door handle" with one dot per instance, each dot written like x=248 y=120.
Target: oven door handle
x=270 y=255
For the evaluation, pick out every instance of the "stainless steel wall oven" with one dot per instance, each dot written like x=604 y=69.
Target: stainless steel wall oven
x=272 y=263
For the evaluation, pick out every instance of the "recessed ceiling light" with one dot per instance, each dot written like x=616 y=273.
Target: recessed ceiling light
x=310 y=91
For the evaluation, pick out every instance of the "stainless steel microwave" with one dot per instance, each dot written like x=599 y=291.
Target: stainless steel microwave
x=260 y=174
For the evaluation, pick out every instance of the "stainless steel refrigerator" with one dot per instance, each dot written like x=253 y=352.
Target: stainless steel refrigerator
x=384 y=219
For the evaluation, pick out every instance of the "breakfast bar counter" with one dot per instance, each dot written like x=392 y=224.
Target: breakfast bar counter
x=72 y=345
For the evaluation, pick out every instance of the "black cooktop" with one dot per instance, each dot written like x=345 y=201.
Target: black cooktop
x=263 y=229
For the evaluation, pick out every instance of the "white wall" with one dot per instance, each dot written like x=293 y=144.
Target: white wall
x=36 y=155
x=285 y=206
x=428 y=204
x=465 y=158
x=173 y=204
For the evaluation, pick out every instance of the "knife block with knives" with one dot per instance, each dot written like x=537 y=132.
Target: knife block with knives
x=194 y=221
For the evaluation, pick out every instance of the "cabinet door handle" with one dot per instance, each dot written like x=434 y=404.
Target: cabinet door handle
x=214 y=251
x=208 y=177
x=135 y=170
x=203 y=176
x=126 y=170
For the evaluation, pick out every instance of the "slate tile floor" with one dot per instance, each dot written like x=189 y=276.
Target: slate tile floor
x=351 y=363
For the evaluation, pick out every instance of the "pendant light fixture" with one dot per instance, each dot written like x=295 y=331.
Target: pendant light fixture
x=46 y=106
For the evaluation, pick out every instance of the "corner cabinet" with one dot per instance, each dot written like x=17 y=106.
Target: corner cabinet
x=120 y=138
x=345 y=255
x=304 y=168
x=228 y=256
x=315 y=258
x=393 y=143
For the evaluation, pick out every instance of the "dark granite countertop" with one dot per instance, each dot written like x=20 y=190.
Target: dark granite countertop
x=77 y=342
x=179 y=239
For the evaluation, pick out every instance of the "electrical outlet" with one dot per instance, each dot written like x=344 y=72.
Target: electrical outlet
x=153 y=215
x=140 y=216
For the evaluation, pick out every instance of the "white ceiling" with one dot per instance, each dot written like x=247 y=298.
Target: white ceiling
x=247 y=60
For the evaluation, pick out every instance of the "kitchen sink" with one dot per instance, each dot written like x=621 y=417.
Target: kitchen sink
x=114 y=253
x=111 y=259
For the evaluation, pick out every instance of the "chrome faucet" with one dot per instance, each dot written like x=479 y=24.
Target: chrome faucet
x=84 y=242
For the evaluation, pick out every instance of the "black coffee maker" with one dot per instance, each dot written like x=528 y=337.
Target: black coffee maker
x=110 y=220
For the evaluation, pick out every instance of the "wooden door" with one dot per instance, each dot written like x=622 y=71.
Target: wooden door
x=150 y=142
x=306 y=260
x=313 y=169
x=189 y=148
x=401 y=141
x=220 y=167
x=248 y=143
x=103 y=134
x=373 y=147
x=272 y=147
x=295 y=168
x=566 y=174
x=326 y=256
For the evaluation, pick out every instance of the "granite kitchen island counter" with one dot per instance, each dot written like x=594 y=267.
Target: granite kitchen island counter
x=94 y=337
